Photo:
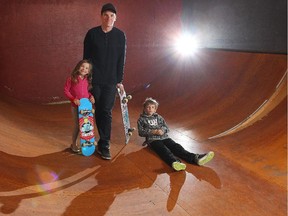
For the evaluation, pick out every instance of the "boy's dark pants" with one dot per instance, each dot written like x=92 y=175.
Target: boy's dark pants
x=104 y=101
x=170 y=151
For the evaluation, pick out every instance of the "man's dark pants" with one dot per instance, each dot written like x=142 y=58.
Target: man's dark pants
x=104 y=102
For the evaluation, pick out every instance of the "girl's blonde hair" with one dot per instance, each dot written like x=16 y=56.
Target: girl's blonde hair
x=75 y=73
x=150 y=101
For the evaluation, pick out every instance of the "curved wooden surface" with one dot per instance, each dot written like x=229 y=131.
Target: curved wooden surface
x=199 y=100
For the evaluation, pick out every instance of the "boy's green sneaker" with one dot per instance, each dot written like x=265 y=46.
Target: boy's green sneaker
x=178 y=166
x=202 y=159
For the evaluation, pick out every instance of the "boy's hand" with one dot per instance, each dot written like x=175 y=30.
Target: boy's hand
x=92 y=100
x=158 y=132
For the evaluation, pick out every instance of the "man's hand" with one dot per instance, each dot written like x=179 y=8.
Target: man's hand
x=121 y=87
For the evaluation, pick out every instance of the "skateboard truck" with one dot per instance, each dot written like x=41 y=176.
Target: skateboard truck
x=130 y=131
x=86 y=112
x=88 y=143
x=126 y=99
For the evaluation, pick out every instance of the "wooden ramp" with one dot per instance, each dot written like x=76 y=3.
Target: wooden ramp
x=232 y=103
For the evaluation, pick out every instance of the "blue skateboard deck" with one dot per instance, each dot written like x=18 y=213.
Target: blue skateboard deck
x=125 y=115
x=86 y=127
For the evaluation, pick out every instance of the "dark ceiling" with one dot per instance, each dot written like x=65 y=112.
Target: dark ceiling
x=239 y=25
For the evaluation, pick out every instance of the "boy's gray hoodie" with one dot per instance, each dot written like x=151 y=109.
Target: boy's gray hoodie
x=147 y=123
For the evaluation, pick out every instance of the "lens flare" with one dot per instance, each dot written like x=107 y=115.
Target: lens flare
x=45 y=177
x=186 y=45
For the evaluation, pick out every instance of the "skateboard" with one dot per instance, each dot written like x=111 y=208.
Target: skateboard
x=125 y=114
x=86 y=127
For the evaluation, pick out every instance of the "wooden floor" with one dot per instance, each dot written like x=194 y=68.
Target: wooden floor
x=248 y=176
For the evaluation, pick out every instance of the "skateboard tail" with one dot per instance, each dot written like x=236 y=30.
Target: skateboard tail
x=88 y=151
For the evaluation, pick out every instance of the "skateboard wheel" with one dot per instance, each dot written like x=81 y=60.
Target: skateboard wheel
x=125 y=100
x=129 y=97
x=130 y=133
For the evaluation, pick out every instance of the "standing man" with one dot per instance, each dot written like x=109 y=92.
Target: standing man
x=105 y=47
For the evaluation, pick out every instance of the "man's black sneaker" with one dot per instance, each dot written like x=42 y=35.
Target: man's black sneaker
x=99 y=150
x=202 y=159
x=105 y=154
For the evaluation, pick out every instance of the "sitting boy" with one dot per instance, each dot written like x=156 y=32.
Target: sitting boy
x=153 y=127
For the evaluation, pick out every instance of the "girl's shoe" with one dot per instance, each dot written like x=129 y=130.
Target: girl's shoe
x=178 y=166
x=75 y=150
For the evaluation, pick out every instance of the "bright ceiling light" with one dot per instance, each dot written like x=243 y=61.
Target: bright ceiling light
x=187 y=45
